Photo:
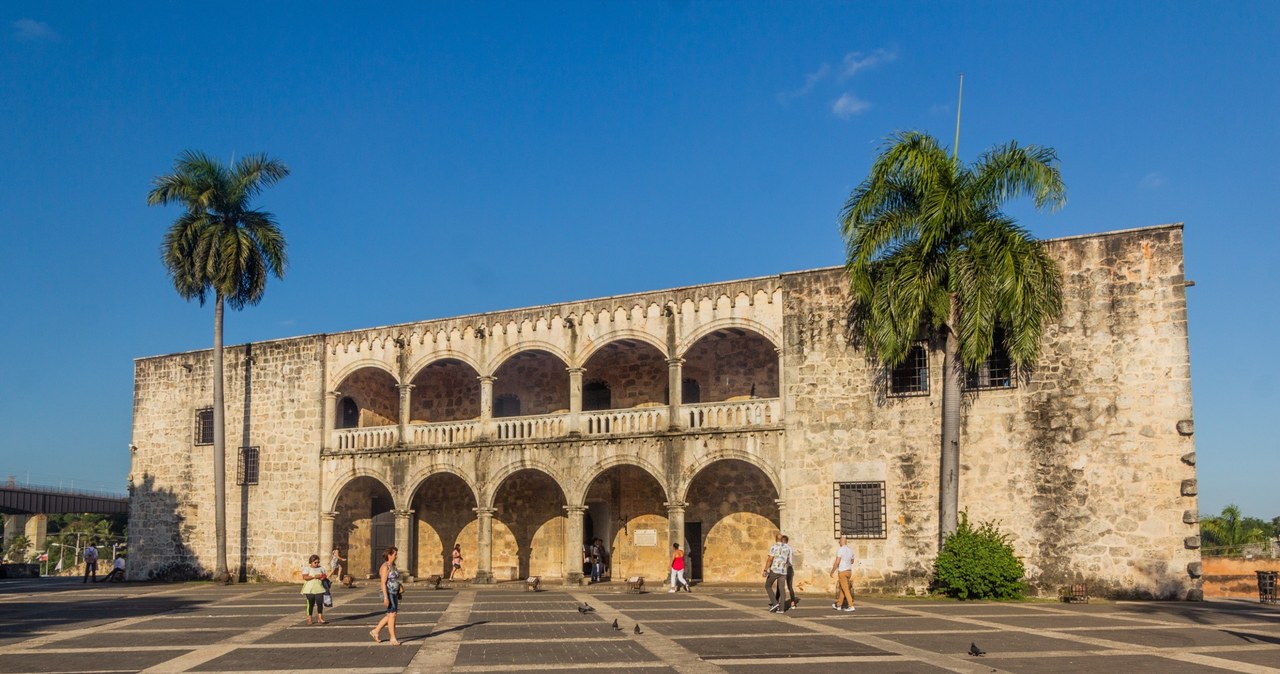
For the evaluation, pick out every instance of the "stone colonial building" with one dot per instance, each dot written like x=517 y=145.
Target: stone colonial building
x=713 y=415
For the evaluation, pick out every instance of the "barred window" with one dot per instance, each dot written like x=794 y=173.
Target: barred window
x=247 y=466
x=997 y=371
x=911 y=377
x=860 y=509
x=204 y=426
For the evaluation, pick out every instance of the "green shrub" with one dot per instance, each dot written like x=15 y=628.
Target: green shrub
x=978 y=564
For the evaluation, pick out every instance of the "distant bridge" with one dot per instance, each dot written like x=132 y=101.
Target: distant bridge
x=36 y=500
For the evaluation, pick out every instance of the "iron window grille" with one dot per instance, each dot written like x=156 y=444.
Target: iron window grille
x=204 y=426
x=997 y=371
x=247 y=466
x=860 y=509
x=911 y=377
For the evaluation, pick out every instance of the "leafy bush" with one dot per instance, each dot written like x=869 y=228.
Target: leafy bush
x=978 y=564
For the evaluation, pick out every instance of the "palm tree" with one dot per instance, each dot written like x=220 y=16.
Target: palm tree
x=220 y=246
x=1230 y=529
x=929 y=251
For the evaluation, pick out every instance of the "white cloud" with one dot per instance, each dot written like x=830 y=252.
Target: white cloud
x=810 y=81
x=31 y=30
x=1152 y=181
x=856 y=61
x=849 y=105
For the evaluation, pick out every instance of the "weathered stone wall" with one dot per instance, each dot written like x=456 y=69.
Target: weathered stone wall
x=636 y=374
x=539 y=380
x=375 y=392
x=445 y=391
x=444 y=512
x=1080 y=462
x=528 y=529
x=736 y=506
x=733 y=367
x=273 y=393
x=635 y=499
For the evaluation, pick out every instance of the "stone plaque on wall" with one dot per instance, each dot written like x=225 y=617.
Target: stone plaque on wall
x=646 y=538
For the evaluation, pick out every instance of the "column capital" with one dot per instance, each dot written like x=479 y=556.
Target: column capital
x=675 y=505
x=404 y=388
x=675 y=362
x=575 y=370
x=485 y=512
x=402 y=514
x=575 y=509
x=332 y=395
x=328 y=516
x=487 y=379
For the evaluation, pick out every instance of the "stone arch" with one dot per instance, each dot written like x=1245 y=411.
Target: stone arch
x=374 y=388
x=417 y=366
x=633 y=370
x=618 y=335
x=529 y=525
x=422 y=475
x=351 y=368
x=733 y=362
x=443 y=503
x=580 y=488
x=335 y=490
x=525 y=345
x=732 y=509
x=489 y=488
x=444 y=389
x=721 y=323
x=537 y=377
x=364 y=522
x=619 y=501
x=686 y=477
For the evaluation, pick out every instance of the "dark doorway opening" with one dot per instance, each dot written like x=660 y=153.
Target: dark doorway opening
x=693 y=556
x=349 y=415
x=506 y=405
x=596 y=396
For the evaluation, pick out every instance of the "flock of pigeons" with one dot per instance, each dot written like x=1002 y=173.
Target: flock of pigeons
x=588 y=608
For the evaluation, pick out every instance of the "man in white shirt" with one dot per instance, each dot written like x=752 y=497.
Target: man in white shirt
x=90 y=564
x=775 y=569
x=843 y=565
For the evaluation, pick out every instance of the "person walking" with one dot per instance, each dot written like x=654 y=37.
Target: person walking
x=389 y=580
x=843 y=564
x=677 y=569
x=313 y=589
x=775 y=569
x=90 y=563
x=335 y=564
x=457 y=560
x=597 y=561
x=791 y=571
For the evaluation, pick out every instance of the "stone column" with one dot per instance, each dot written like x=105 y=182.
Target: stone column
x=675 y=524
x=484 y=545
x=675 y=387
x=573 y=545
x=14 y=526
x=330 y=414
x=405 y=390
x=575 y=400
x=782 y=515
x=486 y=406
x=782 y=388
x=37 y=528
x=326 y=538
x=404 y=541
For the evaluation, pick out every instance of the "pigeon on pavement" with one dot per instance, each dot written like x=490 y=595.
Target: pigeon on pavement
x=615 y=624
x=974 y=650
x=637 y=630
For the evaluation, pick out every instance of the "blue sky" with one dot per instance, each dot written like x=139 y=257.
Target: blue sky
x=464 y=157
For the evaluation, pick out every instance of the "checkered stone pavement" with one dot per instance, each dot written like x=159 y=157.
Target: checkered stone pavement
x=54 y=625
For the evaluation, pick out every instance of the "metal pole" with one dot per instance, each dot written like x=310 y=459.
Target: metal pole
x=955 y=149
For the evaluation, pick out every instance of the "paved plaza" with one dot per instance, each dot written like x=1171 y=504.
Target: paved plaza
x=59 y=625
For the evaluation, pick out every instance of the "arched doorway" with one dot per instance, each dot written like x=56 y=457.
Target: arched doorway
x=364 y=525
x=625 y=509
x=528 y=527
x=730 y=521
x=444 y=516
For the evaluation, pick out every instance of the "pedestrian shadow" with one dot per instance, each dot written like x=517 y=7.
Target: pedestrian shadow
x=433 y=634
x=1254 y=638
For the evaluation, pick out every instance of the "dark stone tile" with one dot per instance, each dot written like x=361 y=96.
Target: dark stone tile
x=862 y=666
x=340 y=658
x=562 y=652
x=800 y=645
x=1129 y=664
x=539 y=631
x=116 y=639
x=228 y=622
x=86 y=662
x=1049 y=622
x=1186 y=637
x=1003 y=643
x=1268 y=657
x=676 y=630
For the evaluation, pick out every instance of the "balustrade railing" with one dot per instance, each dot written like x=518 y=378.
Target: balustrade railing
x=719 y=415
x=734 y=414
x=531 y=428
x=370 y=437
x=444 y=433
x=609 y=422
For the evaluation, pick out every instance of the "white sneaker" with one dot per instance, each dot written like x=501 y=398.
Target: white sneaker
x=848 y=609
x=836 y=607
x=671 y=590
